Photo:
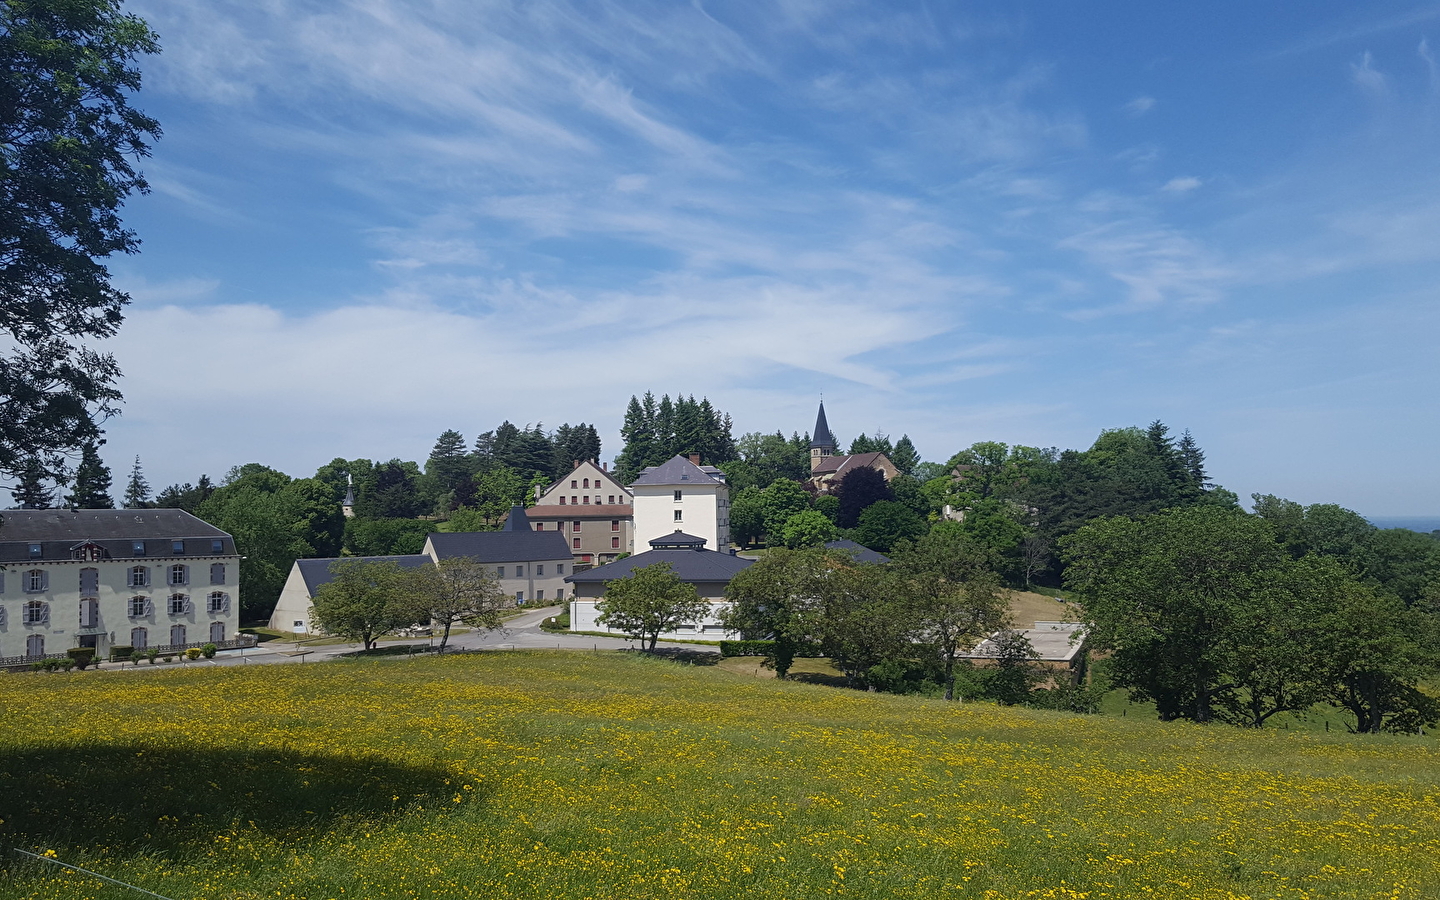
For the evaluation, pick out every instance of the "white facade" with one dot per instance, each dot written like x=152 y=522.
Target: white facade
x=681 y=496
x=49 y=606
x=583 y=616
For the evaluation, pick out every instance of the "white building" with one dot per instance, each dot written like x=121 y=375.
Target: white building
x=529 y=565
x=102 y=578
x=682 y=495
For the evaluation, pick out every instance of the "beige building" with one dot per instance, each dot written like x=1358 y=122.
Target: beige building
x=594 y=512
x=827 y=468
x=146 y=578
x=682 y=495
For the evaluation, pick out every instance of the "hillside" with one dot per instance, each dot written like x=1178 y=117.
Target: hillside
x=553 y=775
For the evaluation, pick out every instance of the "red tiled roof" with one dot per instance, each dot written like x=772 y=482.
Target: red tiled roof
x=580 y=511
x=837 y=464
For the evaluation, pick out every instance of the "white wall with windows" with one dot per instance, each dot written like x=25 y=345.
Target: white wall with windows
x=701 y=508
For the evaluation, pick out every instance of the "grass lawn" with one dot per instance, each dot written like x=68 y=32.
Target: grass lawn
x=613 y=775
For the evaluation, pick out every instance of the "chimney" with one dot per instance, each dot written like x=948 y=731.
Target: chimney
x=605 y=467
x=537 y=493
x=695 y=458
x=574 y=464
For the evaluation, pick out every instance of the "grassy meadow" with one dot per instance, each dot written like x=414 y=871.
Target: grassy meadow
x=559 y=775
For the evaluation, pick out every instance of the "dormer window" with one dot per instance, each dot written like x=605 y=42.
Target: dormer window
x=137 y=548
x=217 y=546
x=36 y=551
x=177 y=548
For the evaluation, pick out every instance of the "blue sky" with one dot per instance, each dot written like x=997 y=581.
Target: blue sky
x=1026 y=222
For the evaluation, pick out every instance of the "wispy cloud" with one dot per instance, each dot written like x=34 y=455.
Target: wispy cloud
x=1182 y=185
x=1365 y=75
x=1139 y=106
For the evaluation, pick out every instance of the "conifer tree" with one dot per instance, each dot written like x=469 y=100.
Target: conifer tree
x=904 y=456
x=92 y=481
x=137 y=491
x=30 y=491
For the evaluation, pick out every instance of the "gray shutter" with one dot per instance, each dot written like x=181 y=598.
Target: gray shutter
x=45 y=614
x=89 y=582
x=185 y=605
x=2 y=617
x=225 y=604
x=184 y=574
x=217 y=573
x=149 y=607
x=2 y=582
x=45 y=582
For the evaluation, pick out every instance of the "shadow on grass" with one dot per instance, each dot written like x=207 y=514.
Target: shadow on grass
x=129 y=797
x=821 y=678
x=683 y=655
x=391 y=650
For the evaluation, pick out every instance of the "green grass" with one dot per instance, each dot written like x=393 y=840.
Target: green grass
x=619 y=775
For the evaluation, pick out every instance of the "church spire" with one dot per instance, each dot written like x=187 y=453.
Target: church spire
x=822 y=439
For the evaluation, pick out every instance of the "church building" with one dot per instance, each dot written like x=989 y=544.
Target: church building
x=827 y=469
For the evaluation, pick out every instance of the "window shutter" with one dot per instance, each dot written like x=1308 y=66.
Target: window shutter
x=149 y=607
x=45 y=614
x=225 y=604
x=2 y=582
x=184 y=574
x=217 y=573
x=45 y=581
x=2 y=617
x=185 y=605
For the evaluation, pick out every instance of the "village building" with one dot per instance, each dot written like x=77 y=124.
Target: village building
x=529 y=565
x=682 y=495
x=156 y=579
x=1059 y=648
x=827 y=468
x=593 y=510
x=692 y=562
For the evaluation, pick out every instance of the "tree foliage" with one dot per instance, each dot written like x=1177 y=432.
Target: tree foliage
x=363 y=601
x=859 y=488
x=69 y=139
x=808 y=528
x=32 y=489
x=137 y=489
x=455 y=591
x=655 y=431
x=90 y=487
x=649 y=602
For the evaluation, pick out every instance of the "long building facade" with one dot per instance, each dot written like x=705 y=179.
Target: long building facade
x=102 y=578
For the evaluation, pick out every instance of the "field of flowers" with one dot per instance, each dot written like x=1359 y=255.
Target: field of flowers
x=554 y=775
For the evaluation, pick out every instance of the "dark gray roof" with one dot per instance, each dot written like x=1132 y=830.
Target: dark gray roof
x=679 y=470
x=317 y=571
x=823 y=439
x=517 y=520
x=859 y=551
x=114 y=530
x=502 y=546
x=679 y=540
x=689 y=565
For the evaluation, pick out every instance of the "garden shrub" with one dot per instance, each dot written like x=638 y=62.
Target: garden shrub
x=747 y=648
x=121 y=653
x=208 y=651
x=192 y=653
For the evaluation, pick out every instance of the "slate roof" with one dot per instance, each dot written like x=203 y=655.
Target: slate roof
x=690 y=565
x=823 y=439
x=838 y=465
x=1054 y=641
x=679 y=470
x=515 y=542
x=677 y=540
x=317 y=571
x=859 y=551
x=115 y=530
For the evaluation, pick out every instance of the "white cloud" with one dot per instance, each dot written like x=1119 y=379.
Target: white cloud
x=1140 y=106
x=1183 y=185
x=1366 y=76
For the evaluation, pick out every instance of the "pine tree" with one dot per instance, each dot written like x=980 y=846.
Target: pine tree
x=449 y=463
x=92 y=481
x=1193 y=459
x=639 y=435
x=664 y=432
x=137 y=492
x=904 y=456
x=31 y=491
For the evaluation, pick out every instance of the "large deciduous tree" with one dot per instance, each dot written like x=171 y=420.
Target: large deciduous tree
x=649 y=602
x=69 y=140
x=363 y=601
x=777 y=599
x=858 y=489
x=456 y=591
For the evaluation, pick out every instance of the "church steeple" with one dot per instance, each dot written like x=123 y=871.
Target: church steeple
x=822 y=444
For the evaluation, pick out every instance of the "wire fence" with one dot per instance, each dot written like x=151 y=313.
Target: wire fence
x=64 y=865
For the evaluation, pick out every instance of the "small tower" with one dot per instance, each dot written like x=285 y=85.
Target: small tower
x=823 y=443
x=347 y=507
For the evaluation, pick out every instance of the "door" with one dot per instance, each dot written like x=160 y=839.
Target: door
x=177 y=635
x=35 y=645
x=217 y=632
x=139 y=638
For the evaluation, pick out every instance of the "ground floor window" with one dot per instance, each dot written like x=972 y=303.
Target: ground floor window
x=539 y=595
x=35 y=645
x=177 y=635
x=139 y=638
x=217 y=632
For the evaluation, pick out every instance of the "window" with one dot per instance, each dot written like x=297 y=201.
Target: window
x=36 y=580
x=574 y=500
x=2 y=582
x=36 y=550
x=610 y=499
x=89 y=582
x=587 y=484
x=139 y=576
x=677 y=496
x=539 y=595
x=139 y=638
x=36 y=612
x=614 y=524
x=678 y=514
x=574 y=484
x=179 y=605
x=35 y=645
x=499 y=571
x=217 y=573
x=585 y=557
x=137 y=548
x=217 y=546
x=614 y=543
x=89 y=613
x=562 y=501
x=139 y=606
x=179 y=574
x=217 y=602
x=539 y=569
x=560 y=569
x=576 y=542
x=217 y=632
x=177 y=635
x=586 y=498
x=177 y=548
x=575 y=526
x=539 y=526
x=520 y=596
x=520 y=571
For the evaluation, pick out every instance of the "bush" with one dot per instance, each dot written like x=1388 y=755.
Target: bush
x=208 y=651
x=77 y=652
x=907 y=676
x=66 y=664
x=121 y=653
x=1067 y=697
x=559 y=622
x=746 y=648
x=167 y=657
x=192 y=653
x=153 y=655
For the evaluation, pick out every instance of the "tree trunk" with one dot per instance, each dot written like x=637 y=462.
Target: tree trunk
x=949 y=677
x=443 y=638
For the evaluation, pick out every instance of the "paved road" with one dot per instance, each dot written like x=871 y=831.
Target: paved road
x=520 y=633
